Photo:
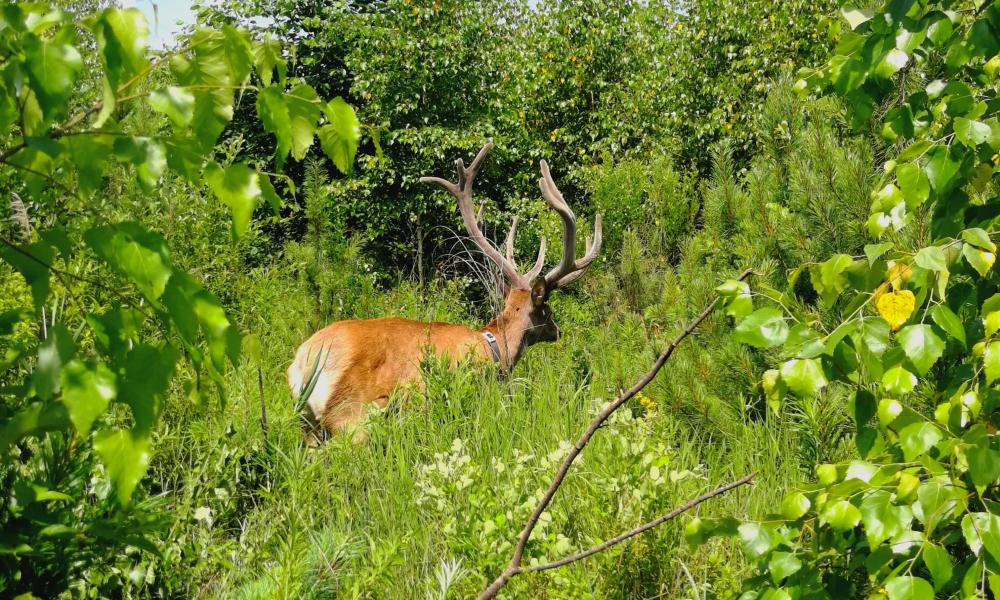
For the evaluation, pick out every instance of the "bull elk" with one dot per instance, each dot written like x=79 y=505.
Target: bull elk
x=356 y=362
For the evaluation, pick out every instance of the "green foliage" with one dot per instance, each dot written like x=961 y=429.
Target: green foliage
x=84 y=391
x=590 y=86
x=915 y=515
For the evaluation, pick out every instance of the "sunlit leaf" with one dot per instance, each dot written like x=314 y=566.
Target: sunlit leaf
x=896 y=307
x=340 y=136
x=764 y=328
x=122 y=37
x=237 y=187
x=125 y=459
x=898 y=381
x=132 y=251
x=918 y=438
x=804 y=377
x=922 y=346
x=87 y=389
x=841 y=515
x=175 y=102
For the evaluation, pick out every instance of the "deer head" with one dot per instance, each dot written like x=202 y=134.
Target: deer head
x=525 y=305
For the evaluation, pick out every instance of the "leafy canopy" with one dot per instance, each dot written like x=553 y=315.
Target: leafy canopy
x=917 y=514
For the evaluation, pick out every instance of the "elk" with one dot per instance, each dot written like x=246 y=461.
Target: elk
x=353 y=363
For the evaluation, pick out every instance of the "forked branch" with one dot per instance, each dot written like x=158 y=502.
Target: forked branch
x=514 y=566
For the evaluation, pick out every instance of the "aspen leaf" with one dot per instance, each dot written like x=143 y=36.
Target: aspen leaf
x=896 y=307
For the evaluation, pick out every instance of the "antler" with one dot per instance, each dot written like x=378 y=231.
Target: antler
x=569 y=268
x=462 y=191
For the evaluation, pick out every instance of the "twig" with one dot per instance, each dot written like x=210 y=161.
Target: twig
x=643 y=528
x=514 y=566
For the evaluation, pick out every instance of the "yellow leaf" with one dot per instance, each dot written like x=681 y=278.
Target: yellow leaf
x=896 y=307
x=899 y=274
x=896 y=278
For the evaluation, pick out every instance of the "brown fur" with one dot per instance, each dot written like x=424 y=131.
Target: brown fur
x=365 y=361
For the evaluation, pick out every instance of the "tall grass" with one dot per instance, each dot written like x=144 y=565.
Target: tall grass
x=431 y=503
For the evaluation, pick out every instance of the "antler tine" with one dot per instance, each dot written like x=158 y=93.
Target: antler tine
x=593 y=249
x=539 y=262
x=462 y=191
x=554 y=198
x=569 y=269
x=509 y=241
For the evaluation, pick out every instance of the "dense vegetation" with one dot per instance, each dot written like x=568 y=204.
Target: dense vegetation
x=179 y=221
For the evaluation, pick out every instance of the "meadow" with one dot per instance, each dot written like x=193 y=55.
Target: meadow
x=182 y=220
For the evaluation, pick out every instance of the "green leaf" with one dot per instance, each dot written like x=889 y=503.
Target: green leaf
x=931 y=258
x=979 y=238
x=267 y=57
x=882 y=519
x=122 y=37
x=875 y=251
x=304 y=108
x=192 y=307
x=803 y=342
x=841 y=515
x=916 y=439
x=938 y=564
x=982 y=530
x=87 y=389
x=971 y=132
x=783 y=565
x=89 y=154
x=922 y=346
x=32 y=262
x=939 y=30
x=949 y=322
x=984 y=463
x=764 y=328
x=36 y=418
x=125 y=459
x=238 y=52
x=756 y=538
x=898 y=381
x=175 y=102
x=794 y=506
x=237 y=186
x=980 y=260
x=52 y=69
x=991 y=361
x=906 y=587
x=990 y=311
x=53 y=353
x=339 y=138
x=913 y=183
x=863 y=407
x=267 y=192
x=983 y=37
x=273 y=113
x=941 y=169
x=856 y=16
x=139 y=255
x=146 y=155
x=804 y=377
x=148 y=371
x=829 y=278
x=938 y=502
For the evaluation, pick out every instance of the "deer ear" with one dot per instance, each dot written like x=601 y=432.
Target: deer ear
x=538 y=291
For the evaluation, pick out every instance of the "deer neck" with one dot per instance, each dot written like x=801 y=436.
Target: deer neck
x=509 y=327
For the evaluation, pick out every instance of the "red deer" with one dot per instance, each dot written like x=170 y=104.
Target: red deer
x=354 y=363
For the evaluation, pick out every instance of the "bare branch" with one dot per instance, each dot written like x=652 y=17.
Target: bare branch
x=514 y=566
x=644 y=528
